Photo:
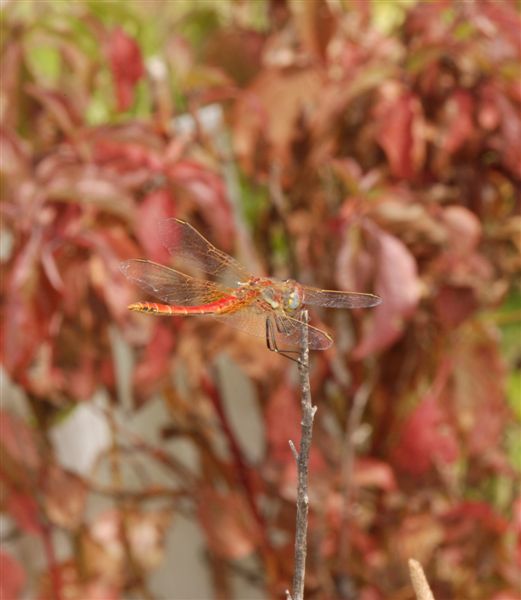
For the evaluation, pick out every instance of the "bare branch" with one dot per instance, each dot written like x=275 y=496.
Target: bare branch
x=302 y=457
x=419 y=581
x=347 y=463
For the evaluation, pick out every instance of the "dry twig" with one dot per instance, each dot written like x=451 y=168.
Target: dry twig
x=347 y=464
x=419 y=581
x=302 y=459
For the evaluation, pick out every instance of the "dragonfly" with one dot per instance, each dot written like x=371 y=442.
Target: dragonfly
x=214 y=284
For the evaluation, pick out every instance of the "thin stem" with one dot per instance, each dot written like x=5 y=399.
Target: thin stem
x=241 y=472
x=347 y=463
x=54 y=570
x=137 y=579
x=302 y=458
x=241 y=469
x=161 y=456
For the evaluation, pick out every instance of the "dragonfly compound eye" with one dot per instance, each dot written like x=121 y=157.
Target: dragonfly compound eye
x=293 y=300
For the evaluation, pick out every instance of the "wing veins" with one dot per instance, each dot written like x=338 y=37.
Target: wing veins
x=170 y=285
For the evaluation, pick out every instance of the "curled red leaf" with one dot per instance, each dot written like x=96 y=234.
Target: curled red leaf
x=401 y=131
x=398 y=284
x=157 y=205
x=126 y=64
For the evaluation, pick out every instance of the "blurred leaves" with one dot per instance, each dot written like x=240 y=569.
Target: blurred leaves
x=227 y=523
x=126 y=64
x=368 y=146
x=13 y=577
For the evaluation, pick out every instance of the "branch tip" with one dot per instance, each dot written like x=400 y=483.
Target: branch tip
x=419 y=581
x=293 y=450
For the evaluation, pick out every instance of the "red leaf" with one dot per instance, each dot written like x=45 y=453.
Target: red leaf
x=463 y=229
x=267 y=113
x=22 y=333
x=458 y=121
x=110 y=247
x=12 y=577
x=516 y=516
x=506 y=22
x=154 y=365
x=17 y=440
x=207 y=190
x=59 y=105
x=398 y=285
x=14 y=157
x=471 y=514
x=282 y=423
x=25 y=512
x=424 y=440
x=128 y=154
x=507 y=595
x=370 y=472
x=64 y=497
x=82 y=380
x=18 y=445
x=369 y=593
x=98 y=590
x=86 y=186
x=508 y=143
x=226 y=519
x=158 y=205
x=488 y=115
x=426 y=436
x=237 y=52
x=127 y=67
x=400 y=122
x=354 y=265
x=454 y=305
x=478 y=395
x=317 y=26
x=282 y=419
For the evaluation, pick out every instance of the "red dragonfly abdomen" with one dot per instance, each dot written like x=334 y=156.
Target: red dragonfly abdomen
x=223 y=305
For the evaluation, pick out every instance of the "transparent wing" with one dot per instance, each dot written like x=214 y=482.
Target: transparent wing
x=190 y=248
x=170 y=285
x=286 y=330
x=336 y=299
x=291 y=329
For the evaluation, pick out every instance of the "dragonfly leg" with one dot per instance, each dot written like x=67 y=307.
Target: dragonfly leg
x=271 y=343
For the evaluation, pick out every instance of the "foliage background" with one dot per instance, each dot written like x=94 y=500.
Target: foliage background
x=361 y=145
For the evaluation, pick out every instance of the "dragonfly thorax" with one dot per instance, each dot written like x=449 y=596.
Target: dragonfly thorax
x=286 y=295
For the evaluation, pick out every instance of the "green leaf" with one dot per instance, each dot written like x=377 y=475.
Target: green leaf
x=514 y=392
x=44 y=61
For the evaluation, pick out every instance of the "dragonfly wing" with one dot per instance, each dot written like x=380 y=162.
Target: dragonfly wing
x=285 y=330
x=337 y=299
x=171 y=286
x=291 y=329
x=190 y=248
